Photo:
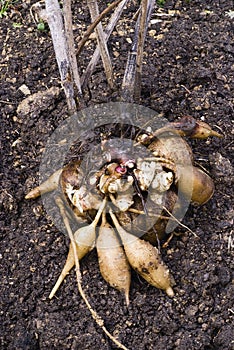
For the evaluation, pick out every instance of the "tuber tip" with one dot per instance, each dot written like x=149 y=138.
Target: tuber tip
x=34 y=193
x=203 y=131
x=215 y=133
x=170 y=292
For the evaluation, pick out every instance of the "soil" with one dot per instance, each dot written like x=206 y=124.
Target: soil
x=188 y=69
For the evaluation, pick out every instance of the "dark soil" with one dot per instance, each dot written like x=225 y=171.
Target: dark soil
x=188 y=69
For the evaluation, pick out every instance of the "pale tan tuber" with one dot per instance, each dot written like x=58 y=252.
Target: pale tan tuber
x=145 y=259
x=85 y=240
x=195 y=184
x=112 y=260
x=49 y=185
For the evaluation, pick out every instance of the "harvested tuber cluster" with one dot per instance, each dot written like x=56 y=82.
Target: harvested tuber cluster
x=145 y=190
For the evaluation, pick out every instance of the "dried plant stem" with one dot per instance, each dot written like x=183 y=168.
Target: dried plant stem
x=113 y=20
x=94 y=314
x=94 y=12
x=131 y=86
x=140 y=49
x=55 y=22
x=71 y=44
x=94 y=24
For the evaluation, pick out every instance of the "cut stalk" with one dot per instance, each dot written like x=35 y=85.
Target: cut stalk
x=131 y=85
x=94 y=12
x=55 y=22
x=71 y=44
x=113 y=20
x=140 y=48
x=94 y=24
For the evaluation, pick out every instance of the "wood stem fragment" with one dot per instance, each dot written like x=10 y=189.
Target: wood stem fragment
x=94 y=12
x=113 y=20
x=55 y=22
x=140 y=49
x=71 y=45
x=94 y=24
x=131 y=86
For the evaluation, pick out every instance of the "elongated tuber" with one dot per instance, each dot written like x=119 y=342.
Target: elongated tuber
x=145 y=259
x=49 y=185
x=112 y=260
x=85 y=239
x=86 y=235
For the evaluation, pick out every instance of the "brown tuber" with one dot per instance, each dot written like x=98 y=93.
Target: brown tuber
x=145 y=259
x=49 y=185
x=85 y=239
x=196 y=184
x=112 y=260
